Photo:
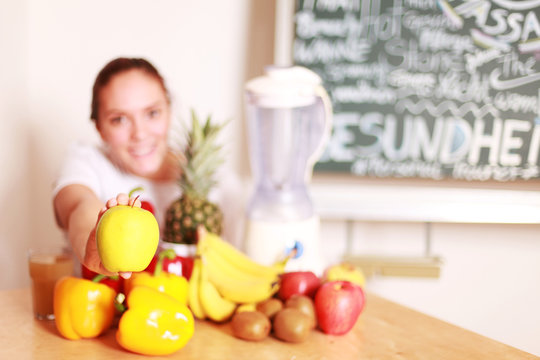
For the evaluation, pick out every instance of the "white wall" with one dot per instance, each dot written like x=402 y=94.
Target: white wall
x=489 y=279
x=51 y=51
x=15 y=189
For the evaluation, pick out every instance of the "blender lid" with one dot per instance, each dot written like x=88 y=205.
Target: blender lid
x=285 y=87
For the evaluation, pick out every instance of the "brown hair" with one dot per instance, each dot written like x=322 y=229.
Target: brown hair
x=116 y=67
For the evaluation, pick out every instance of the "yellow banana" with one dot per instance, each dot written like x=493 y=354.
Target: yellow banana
x=193 y=291
x=234 y=284
x=219 y=268
x=246 y=291
x=239 y=259
x=235 y=276
x=214 y=305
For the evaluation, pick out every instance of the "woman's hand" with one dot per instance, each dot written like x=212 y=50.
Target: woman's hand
x=91 y=258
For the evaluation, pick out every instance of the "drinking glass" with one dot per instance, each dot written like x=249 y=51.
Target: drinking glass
x=46 y=265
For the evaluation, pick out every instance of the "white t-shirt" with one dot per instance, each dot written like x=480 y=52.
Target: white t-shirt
x=88 y=165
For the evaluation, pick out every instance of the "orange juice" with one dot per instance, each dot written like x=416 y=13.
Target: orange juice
x=45 y=269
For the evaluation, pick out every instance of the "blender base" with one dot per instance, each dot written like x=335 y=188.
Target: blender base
x=270 y=241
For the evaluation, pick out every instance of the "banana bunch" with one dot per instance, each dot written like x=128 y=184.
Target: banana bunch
x=224 y=278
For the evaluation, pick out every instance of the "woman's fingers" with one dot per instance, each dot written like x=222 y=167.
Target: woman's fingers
x=101 y=212
x=91 y=258
x=123 y=199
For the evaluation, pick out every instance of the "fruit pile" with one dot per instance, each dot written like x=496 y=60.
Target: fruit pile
x=154 y=322
x=289 y=321
x=224 y=278
x=225 y=286
x=258 y=300
x=303 y=303
x=150 y=307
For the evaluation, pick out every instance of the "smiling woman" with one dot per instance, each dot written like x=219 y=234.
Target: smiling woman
x=133 y=119
x=131 y=112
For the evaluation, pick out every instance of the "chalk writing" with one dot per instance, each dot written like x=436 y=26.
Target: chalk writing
x=427 y=88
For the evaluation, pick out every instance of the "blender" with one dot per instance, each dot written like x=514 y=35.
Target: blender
x=289 y=118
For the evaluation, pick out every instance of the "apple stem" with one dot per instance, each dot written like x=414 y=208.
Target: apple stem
x=135 y=200
x=169 y=254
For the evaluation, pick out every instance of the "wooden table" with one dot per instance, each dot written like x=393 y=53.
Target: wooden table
x=385 y=330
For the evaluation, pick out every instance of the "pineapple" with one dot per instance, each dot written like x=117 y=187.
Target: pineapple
x=202 y=157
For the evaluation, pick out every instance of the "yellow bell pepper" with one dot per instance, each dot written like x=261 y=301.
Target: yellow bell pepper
x=170 y=284
x=154 y=323
x=83 y=308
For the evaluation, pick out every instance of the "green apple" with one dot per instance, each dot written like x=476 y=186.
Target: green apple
x=127 y=238
x=345 y=272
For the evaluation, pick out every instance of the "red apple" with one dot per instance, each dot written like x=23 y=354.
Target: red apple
x=298 y=282
x=338 y=305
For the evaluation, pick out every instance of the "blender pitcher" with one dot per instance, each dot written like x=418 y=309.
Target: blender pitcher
x=289 y=119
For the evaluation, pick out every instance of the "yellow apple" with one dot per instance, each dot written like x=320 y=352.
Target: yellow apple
x=127 y=238
x=345 y=272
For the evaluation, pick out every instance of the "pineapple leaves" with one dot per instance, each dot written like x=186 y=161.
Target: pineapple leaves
x=203 y=157
x=207 y=126
x=196 y=135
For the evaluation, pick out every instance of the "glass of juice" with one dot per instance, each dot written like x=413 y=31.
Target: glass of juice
x=46 y=265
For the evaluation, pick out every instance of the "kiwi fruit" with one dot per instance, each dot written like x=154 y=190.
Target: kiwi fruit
x=305 y=305
x=291 y=325
x=250 y=325
x=270 y=307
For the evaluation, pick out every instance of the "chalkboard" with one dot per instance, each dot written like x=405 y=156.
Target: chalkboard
x=427 y=88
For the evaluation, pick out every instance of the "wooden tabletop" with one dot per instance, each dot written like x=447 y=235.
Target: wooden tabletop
x=385 y=330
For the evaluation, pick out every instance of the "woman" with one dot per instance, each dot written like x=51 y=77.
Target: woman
x=131 y=111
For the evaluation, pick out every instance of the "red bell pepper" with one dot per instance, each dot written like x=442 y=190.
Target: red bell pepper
x=179 y=265
x=114 y=282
